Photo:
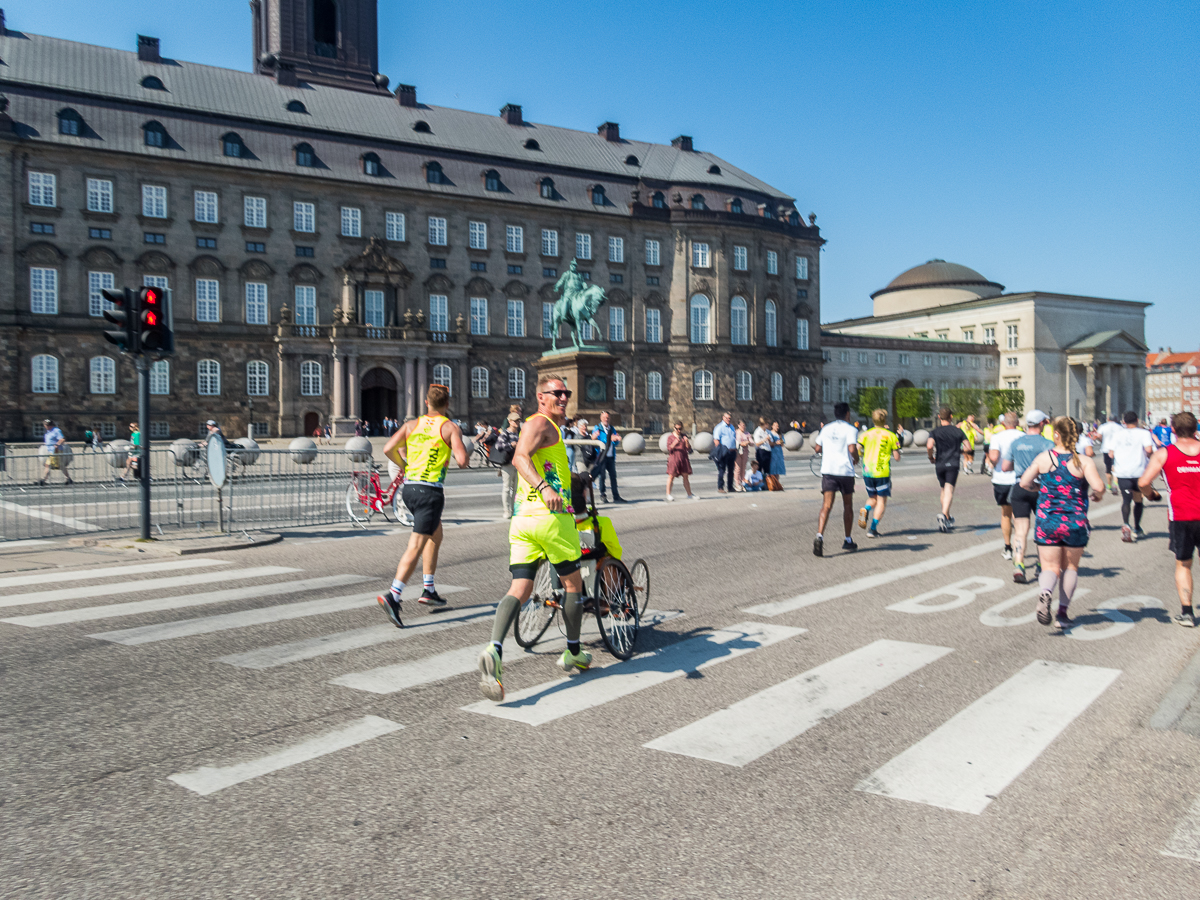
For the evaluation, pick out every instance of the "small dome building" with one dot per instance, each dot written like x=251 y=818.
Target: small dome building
x=935 y=283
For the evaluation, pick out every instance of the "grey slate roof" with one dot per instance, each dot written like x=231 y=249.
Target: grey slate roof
x=87 y=69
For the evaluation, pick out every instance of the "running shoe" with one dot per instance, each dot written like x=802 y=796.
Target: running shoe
x=1062 y=621
x=862 y=516
x=872 y=532
x=943 y=525
x=575 y=662
x=693 y=497
x=1006 y=553
x=1114 y=492
x=949 y=523
x=670 y=499
x=818 y=546
x=1019 y=572
x=490 y=669
x=849 y=546
x=391 y=606
x=431 y=597
x=1127 y=534
x=1043 y=607
x=1187 y=620
x=1138 y=534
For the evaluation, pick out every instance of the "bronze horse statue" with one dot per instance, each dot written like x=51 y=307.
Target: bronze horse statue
x=577 y=303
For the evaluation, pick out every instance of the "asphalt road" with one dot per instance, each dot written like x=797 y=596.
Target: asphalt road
x=250 y=725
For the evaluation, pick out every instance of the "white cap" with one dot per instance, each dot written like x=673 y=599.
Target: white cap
x=1036 y=417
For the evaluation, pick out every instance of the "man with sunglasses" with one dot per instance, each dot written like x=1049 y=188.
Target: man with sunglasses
x=542 y=527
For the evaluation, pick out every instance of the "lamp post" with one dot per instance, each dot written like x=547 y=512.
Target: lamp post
x=250 y=423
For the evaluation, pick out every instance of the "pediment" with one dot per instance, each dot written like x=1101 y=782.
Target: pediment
x=43 y=253
x=617 y=296
x=207 y=265
x=516 y=289
x=305 y=274
x=654 y=298
x=100 y=258
x=153 y=261
x=438 y=282
x=477 y=287
x=256 y=268
x=375 y=259
x=1114 y=341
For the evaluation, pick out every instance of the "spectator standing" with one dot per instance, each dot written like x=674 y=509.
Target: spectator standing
x=945 y=447
x=999 y=446
x=778 y=467
x=502 y=450
x=762 y=447
x=585 y=455
x=1131 y=448
x=1016 y=459
x=838 y=445
x=678 y=464
x=1179 y=463
x=607 y=464
x=56 y=457
x=743 y=442
x=724 y=452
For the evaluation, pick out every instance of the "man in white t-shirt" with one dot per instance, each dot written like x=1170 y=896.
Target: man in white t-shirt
x=838 y=445
x=1002 y=481
x=1108 y=431
x=1131 y=449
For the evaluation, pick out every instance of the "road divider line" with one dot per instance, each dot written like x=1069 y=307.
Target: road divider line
x=55 y=577
x=969 y=760
x=33 y=513
x=160 y=604
x=147 y=584
x=565 y=696
x=1185 y=841
x=210 y=779
x=750 y=728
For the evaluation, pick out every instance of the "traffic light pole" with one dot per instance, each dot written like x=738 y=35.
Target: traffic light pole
x=143 y=373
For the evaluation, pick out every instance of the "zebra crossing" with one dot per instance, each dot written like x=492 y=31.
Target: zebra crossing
x=961 y=766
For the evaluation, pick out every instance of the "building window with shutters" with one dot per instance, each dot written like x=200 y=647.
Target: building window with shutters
x=160 y=377
x=702 y=385
x=738 y=332
x=654 y=385
x=443 y=376
x=514 y=239
x=479 y=382
x=395 y=226
x=616 y=323
x=45 y=374
x=515 y=319
x=479 y=315
x=653 y=326
x=776 y=386
x=439 y=314
x=256 y=303
x=618 y=385
x=516 y=384
x=310 y=378
x=743 y=383
x=258 y=378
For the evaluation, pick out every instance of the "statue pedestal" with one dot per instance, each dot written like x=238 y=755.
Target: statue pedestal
x=589 y=375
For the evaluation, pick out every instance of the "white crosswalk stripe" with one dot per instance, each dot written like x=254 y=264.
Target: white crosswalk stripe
x=970 y=759
x=743 y=732
x=57 y=577
x=1185 y=840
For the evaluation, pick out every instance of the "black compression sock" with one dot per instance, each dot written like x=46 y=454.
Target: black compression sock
x=1137 y=515
x=1187 y=611
x=573 y=647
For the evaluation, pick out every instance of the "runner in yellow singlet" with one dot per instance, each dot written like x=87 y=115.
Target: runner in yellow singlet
x=879 y=447
x=968 y=427
x=542 y=527
x=423 y=447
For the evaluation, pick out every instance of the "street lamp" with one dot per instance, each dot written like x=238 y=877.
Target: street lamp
x=250 y=424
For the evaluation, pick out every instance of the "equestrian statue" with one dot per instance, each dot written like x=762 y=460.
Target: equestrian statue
x=577 y=303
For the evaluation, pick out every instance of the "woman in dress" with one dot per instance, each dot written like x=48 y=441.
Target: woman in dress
x=1062 y=524
x=678 y=448
x=762 y=446
x=777 y=465
x=742 y=439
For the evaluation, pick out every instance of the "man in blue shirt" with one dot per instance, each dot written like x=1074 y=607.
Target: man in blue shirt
x=725 y=451
x=606 y=465
x=56 y=451
x=1164 y=436
x=1016 y=458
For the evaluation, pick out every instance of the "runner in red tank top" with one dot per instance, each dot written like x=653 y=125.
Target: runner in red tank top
x=1180 y=465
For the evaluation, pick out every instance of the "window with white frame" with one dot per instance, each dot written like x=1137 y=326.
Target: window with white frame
x=395 y=226
x=103 y=371
x=43 y=291
x=479 y=316
x=618 y=385
x=439 y=313
x=304 y=217
x=254 y=212
x=256 y=303
x=208 y=300
x=989 y=334
x=770 y=324
x=586 y=332
x=99 y=195
x=351 y=221
x=154 y=201
x=862 y=357
x=653 y=326
x=162 y=429
x=844 y=356
x=258 y=378
x=844 y=390
x=741 y=260
x=479 y=382
x=826 y=393
x=772 y=262
x=514 y=239
x=1012 y=384
x=616 y=250
x=43 y=189
x=208 y=378
x=160 y=377
x=944 y=360
x=547 y=320
x=549 y=242
x=97 y=282
x=738 y=332
x=373 y=308
x=802 y=334
x=802 y=268
x=744 y=385
x=477 y=235
x=516 y=384
x=1013 y=341
x=583 y=246
x=806 y=389
x=45 y=374
x=310 y=378
x=443 y=376
x=968 y=335
x=306 y=304
x=205 y=205
x=652 y=253
x=515 y=318
x=1011 y=361
x=700 y=256
x=654 y=385
x=155 y=281
x=616 y=323
x=904 y=359
x=776 y=386
x=959 y=362
x=702 y=385
x=701 y=312
x=437 y=231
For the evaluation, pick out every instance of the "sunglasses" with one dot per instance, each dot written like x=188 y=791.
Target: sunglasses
x=561 y=395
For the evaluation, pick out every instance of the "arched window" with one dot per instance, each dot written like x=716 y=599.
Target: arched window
x=618 y=385
x=153 y=83
x=70 y=122
x=422 y=127
x=325 y=27
x=310 y=378
x=702 y=385
x=531 y=144
x=771 y=324
x=160 y=377
x=701 y=312
x=442 y=376
x=744 y=385
x=258 y=378
x=714 y=169
x=154 y=134
x=776 y=386
x=208 y=378
x=793 y=218
x=766 y=211
x=738 y=333
x=658 y=201
x=516 y=384
x=698 y=201
x=805 y=389
x=654 y=385
x=491 y=180
x=305 y=156
x=296 y=106
x=736 y=206
x=598 y=198
x=232 y=145
x=547 y=188
x=103 y=372
x=370 y=163
x=434 y=173
x=631 y=160
x=479 y=383
x=45 y=375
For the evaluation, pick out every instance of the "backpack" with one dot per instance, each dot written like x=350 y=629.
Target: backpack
x=504 y=447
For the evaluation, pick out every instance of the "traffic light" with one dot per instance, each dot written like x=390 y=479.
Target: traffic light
x=124 y=315
x=155 y=321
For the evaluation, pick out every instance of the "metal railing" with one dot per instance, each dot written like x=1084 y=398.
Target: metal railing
x=265 y=487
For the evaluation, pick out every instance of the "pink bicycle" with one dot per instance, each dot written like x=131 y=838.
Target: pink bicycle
x=365 y=496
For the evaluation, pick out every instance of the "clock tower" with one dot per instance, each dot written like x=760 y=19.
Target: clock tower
x=333 y=42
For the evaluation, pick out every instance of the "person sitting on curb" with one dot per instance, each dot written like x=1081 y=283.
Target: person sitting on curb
x=754 y=481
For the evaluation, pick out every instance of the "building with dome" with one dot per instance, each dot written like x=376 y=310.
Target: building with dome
x=1076 y=355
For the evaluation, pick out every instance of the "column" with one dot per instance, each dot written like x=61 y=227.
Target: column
x=1137 y=375
x=1089 y=397
x=410 y=389
x=339 y=409
x=422 y=383
x=1125 y=374
x=1105 y=389
x=352 y=385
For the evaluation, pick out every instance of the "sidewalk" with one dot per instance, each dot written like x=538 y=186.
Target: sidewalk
x=177 y=543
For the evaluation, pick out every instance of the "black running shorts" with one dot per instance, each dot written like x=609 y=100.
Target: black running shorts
x=1108 y=463
x=1001 y=492
x=1185 y=538
x=1023 y=502
x=947 y=475
x=837 y=484
x=426 y=503
x=1128 y=486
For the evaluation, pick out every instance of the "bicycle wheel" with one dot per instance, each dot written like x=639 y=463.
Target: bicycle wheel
x=538 y=611
x=616 y=608
x=400 y=511
x=640 y=573
x=357 y=504
x=814 y=464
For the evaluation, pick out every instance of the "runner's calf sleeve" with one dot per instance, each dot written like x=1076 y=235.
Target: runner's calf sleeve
x=1066 y=590
x=1047 y=579
x=1126 y=500
x=1137 y=514
x=505 y=613
x=573 y=616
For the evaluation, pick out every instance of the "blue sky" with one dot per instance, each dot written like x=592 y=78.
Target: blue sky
x=1050 y=145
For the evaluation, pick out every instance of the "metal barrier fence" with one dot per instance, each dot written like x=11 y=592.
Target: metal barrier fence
x=265 y=487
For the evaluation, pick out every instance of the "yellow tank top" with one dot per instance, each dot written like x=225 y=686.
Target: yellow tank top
x=428 y=456
x=965 y=427
x=551 y=464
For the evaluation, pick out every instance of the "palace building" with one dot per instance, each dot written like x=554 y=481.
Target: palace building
x=332 y=246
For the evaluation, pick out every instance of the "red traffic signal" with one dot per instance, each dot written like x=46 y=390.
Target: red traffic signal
x=155 y=328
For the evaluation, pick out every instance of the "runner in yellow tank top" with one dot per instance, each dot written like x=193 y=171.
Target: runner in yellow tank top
x=973 y=432
x=542 y=527
x=422 y=448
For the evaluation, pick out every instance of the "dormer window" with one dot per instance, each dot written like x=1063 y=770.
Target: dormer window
x=698 y=201
x=531 y=144
x=714 y=169
x=598 y=198
x=70 y=122
x=434 y=173
x=793 y=218
x=422 y=126
x=153 y=83
x=305 y=156
x=658 y=201
x=736 y=206
x=632 y=160
x=766 y=211
x=296 y=106
x=547 y=189
x=371 y=164
x=154 y=134
x=231 y=145
x=491 y=180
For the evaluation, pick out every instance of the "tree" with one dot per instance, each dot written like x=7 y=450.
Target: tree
x=1002 y=400
x=869 y=399
x=914 y=403
x=965 y=401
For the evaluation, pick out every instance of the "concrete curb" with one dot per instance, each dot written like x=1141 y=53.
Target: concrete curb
x=217 y=543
